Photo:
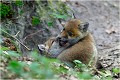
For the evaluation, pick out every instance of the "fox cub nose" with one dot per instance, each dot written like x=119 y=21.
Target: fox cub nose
x=41 y=48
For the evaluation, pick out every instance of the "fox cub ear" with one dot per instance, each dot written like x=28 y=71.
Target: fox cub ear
x=63 y=24
x=84 y=26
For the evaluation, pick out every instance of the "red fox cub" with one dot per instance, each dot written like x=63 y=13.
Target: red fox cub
x=73 y=43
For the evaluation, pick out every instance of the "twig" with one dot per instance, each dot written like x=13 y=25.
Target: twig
x=17 y=33
x=31 y=35
x=94 y=68
x=16 y=39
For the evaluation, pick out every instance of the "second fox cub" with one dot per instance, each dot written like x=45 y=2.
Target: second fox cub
x=75 y=43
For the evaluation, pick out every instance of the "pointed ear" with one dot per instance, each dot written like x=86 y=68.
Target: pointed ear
x=74 y=16
x=85 y=26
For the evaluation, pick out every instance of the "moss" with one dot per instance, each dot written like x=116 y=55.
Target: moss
x=35 y=20
x=5 y=11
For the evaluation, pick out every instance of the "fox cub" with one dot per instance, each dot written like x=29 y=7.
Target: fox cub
x=74 y=42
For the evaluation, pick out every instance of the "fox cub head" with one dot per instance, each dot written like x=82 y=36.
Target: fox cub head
x=73 y=31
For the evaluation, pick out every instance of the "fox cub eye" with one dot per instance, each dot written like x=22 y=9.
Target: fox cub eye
x=78 y=25
x=70 y=33
x=63 y=28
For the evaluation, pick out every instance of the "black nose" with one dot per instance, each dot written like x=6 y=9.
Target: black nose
x=41 y=48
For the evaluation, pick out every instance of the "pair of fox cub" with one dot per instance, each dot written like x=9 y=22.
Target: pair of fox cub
x=74 y=42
